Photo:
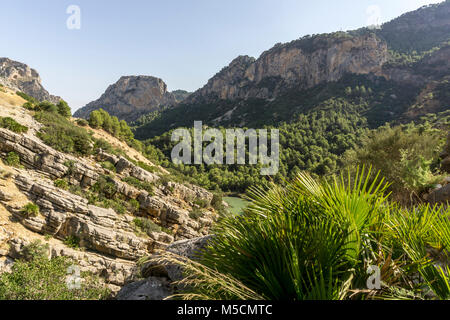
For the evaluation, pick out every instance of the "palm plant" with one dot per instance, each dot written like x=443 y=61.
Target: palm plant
x=316 y=239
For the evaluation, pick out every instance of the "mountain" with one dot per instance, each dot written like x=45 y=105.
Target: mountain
x=103 y=206
x=133 y=96
x=20 y=77
x=300 y=64
x=402 y=62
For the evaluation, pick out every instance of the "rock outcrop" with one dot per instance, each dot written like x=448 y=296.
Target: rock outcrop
x=131 y=97
x=21 y=77
x=110 y=240
x=160 y=279
x=300 y=64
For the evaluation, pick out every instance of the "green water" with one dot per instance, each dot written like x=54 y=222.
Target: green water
x=236 y=204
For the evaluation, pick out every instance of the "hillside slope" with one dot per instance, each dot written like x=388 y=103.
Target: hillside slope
x=102 y=210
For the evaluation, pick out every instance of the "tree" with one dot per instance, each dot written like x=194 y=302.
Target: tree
x=96 y=119
x=64 y=109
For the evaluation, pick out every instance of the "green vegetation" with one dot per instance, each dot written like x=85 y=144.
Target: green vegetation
x=72 y=242
x=61 y=134
x=26 y=97
x=12 y=159
x=61 y=183
x=108 y=165
x=146 y=226
x=13 y=125
x=196 y=214
x=35 y=277
x=30 y=210
x=315 y=240
x=406 y=155
x=141 y=185
x=100 y=119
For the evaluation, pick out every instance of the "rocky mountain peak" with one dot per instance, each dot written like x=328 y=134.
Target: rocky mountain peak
x=299 y=64
x=130 y=97
x=21 y=77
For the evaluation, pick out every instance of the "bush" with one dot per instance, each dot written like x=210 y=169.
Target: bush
x=61 y=183
x=144 y=225
x=64 y=109
x=133 y=206
x=72 y=242
x=196 y=214
x=61 y=134
x=201 y=203
x=314 y=240
x=108 y=165
x=407 y=156
x=40 y=278
x=12 y=159
x=30 y=210
x=105 y=187
x=141 y=185
x=82 y=122
x=27 y=97
x=13 y=125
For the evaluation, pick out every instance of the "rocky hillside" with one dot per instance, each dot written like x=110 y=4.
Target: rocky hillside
x=56 y=198
x=20 y=77
x=290 y=79
x=300 y=64
x=133 y=96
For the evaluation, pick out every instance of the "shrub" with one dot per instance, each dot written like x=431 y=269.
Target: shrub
x=314 y=240
x=27 y=97
x=201 y=203
x=141 y=185
x=145 y=225
x=82 y=122
x=146 y=166
x=72 y=242
x=61 y=134
x=196 y=214
x=13 y=125
x=30 y=210
x=61 y=183
x=64 y=109
x=108 y=165
x=133 y=205
x=40 y=278
x=406 y=156
x=105 y=187
x=28 y=105
x=12 y=159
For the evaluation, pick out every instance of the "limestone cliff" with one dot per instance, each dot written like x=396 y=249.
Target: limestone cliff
x=21 y=77
x=300 y=64
x=110 y=242
x=131 y=97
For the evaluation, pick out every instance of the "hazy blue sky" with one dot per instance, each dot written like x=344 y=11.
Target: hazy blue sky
x=184 y=42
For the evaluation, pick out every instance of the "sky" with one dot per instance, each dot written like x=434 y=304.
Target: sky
x=79 y=53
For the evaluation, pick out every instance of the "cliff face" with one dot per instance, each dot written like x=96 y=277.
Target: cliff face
x=131 y=97
x=300 y=64
x=21 y=77
x=109 y=237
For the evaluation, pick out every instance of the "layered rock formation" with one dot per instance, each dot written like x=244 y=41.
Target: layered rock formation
x=300 y=64
x=21 y=77
x=111 y=243
x=131 y=97
x=161 y=277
